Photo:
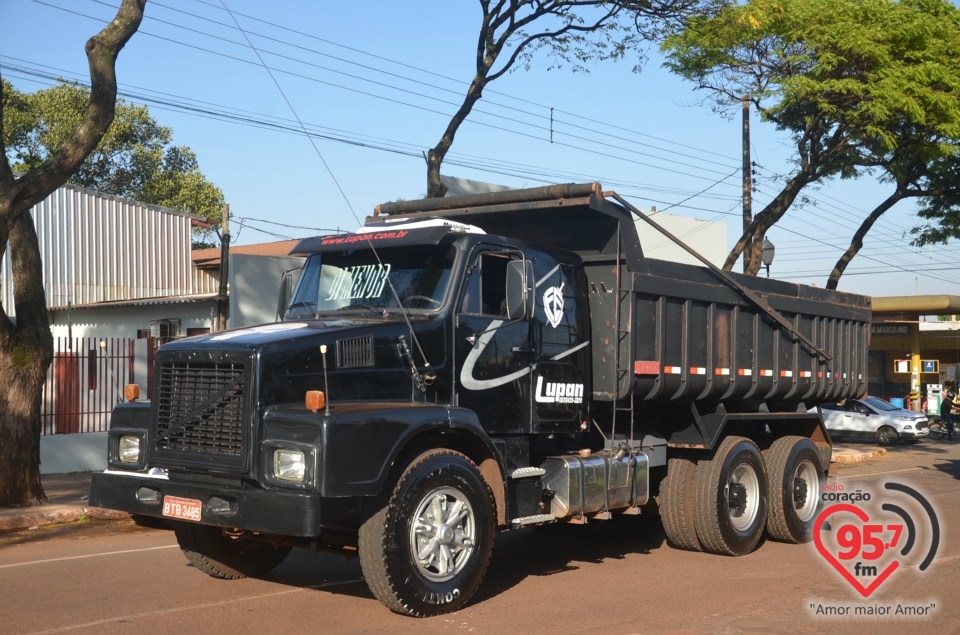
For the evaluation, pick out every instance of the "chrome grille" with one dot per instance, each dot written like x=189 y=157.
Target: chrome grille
x=200 y=408
x=356 y=352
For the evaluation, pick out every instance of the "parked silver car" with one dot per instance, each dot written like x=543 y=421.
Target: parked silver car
x=874 y=417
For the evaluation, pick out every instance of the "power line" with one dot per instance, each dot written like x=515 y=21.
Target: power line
x=417 y=94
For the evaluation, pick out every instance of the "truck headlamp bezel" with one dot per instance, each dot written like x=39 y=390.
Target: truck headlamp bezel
x=119 y=441
x=271 y=452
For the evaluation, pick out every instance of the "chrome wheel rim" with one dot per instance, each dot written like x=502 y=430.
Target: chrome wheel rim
x=806 y=488
x=743 y=496
x=442 y=534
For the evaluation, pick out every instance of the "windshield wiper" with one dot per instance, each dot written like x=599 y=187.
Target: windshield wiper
x=364 y=306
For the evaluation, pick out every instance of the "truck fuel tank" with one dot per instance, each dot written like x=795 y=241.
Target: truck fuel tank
x=600 y=482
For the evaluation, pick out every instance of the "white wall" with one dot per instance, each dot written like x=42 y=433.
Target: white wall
x=707 y=238
x=61 y=453
x=255 y=287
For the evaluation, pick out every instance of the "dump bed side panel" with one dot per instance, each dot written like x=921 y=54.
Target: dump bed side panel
x=697 y=339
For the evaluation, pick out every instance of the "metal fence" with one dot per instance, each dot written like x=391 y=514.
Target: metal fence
x=85 y=382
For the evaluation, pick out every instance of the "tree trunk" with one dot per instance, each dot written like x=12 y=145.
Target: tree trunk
x=26 y=349
x=435 y=188
x=25 y=356
x=857 y=243
x=773 y=212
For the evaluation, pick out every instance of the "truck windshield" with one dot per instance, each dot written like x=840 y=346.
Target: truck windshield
x=355 y=281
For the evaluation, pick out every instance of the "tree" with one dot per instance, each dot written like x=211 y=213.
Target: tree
x=26 y=348
x=844 y=78
x=923 y=165
x=135 y=158
x=573 y=31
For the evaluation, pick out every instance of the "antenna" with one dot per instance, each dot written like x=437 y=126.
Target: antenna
x=293 y=110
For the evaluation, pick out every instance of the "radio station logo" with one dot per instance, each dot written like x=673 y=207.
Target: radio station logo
x=868 y=538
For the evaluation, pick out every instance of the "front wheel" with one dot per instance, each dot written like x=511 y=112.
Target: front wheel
x=730 y=490
x=426 y=550
x=887 y=436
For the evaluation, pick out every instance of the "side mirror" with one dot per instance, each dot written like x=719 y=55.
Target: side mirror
x=286 y=293
x=520 y=289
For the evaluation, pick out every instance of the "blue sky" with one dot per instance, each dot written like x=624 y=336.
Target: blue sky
x=386 y=75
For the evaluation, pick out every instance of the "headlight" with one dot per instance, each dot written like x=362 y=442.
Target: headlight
x=128 y=450
x=289 y=465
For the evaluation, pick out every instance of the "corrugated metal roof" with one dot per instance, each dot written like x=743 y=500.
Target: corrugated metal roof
x=211 y=257
x=173 y=299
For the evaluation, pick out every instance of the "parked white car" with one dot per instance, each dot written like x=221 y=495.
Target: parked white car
x=874 y=417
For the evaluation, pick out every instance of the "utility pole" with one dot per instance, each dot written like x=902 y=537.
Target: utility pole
x=223 y=301
x=747 y=185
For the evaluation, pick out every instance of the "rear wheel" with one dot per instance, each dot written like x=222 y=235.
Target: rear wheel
x=676 y=504
x=221 y=556
x=731 y=498
x=937 y=430
x=795 y=477
x=426 y=550
x=887 y=436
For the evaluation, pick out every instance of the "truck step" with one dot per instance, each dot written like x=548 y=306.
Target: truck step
x=539 y=519
x=524 y=472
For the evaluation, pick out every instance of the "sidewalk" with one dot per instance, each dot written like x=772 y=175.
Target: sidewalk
x=67 y=495
x=843 y=453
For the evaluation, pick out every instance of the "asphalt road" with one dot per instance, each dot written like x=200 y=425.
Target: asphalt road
x=614 y=577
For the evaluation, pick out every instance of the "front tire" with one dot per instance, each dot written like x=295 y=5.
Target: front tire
x=427 y=549
x=220 y=556
x=731 y=498
x=795 y=478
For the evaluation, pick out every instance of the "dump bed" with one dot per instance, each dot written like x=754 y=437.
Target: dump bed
x=671 y=332
x=696 y=337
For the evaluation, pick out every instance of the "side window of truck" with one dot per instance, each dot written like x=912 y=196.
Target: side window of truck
x=485 y=292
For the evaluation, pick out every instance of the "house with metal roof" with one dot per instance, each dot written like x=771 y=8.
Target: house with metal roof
x=120 y=278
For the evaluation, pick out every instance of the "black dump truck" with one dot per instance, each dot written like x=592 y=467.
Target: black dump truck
x=473 y=364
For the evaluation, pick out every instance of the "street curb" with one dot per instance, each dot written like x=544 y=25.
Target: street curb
x=57 y=514
x=857 y=457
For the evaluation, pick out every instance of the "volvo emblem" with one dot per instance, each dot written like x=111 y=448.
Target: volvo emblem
x=553 y=305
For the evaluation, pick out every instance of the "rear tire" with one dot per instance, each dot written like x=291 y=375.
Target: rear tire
x=427 y=549
x=676 y=505
x=226 y=558
x=887 y=436
x=795 y=477
x=937 y=430
x=731 y=498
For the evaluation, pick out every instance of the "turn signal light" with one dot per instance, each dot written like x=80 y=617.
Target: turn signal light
x=315 y=400
x=131 y=392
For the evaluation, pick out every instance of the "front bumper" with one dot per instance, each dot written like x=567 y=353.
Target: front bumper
x=266 y=511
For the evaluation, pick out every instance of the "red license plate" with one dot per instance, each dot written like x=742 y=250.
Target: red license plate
x=183 y=508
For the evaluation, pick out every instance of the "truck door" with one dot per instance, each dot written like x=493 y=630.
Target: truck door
x=494 y=354
x=558 y=378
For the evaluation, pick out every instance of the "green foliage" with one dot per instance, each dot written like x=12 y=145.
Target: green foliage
x=135 y=159
x=869 y=65
x=858 y=84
